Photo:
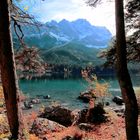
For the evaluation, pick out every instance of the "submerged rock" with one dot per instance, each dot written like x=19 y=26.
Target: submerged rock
x=47 y=97
x=43 y=96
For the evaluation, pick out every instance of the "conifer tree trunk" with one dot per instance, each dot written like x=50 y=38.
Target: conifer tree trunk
x=8 y=74
x=131 y=111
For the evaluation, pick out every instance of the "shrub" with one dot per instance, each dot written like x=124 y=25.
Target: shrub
x=100 y=90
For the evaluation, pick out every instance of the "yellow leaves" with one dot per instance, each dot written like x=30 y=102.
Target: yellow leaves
x=33 y=137
x=1 y=93
x=26 y=8
x=2 y=119
x=96 y=88
x=4 y=131
x=1 y=97
x=6 y=135
x=100 y=89
x=42 y=108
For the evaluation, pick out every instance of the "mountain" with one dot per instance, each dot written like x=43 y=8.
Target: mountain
x=65 y=31
x=76 y=42
x=72 y=53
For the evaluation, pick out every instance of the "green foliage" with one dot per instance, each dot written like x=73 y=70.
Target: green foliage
x=72 y=53
x=132 y=28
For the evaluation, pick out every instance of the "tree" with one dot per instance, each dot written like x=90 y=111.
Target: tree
x=131 y=111
x=132 y=29
x=131 y=107
x=27 y=58
x=8 y=75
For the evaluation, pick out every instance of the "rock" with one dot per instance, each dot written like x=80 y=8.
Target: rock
x=76 y=137
x=75 y=114
x=35 y=101
x=97 y=114
x=58 y=114
x=85 y=126
x=43 y=97
x=45 y=138
x=67 y=138
x=120 y=109
x=107 y=103
x=42 y=126
x=86 y=96
x=83 y=116
x=93 y=115
x=47 y=97
x=120 y=115
x=40 y=96
x=27 y=105
x=118 y=100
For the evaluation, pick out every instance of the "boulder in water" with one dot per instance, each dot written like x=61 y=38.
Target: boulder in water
x=86 y=96
x=47 y=97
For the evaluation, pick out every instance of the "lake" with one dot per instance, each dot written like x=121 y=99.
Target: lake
x=65 y=91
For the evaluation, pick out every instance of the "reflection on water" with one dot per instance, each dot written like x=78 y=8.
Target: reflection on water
x=66 y=91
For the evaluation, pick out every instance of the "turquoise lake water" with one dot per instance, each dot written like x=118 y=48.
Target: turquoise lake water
x=66 y=91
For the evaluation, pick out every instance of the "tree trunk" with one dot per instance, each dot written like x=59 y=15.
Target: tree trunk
x=131 y=111
x=8 y=74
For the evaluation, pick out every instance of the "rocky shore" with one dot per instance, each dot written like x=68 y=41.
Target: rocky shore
x=57 y=122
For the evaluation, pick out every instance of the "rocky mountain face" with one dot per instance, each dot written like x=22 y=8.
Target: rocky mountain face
x=57 y=33
x=65 y=42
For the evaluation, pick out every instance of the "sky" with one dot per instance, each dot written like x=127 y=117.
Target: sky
x=47 y=10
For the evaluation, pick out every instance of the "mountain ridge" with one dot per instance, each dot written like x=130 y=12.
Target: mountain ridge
x=64 y=31
x=76 y=42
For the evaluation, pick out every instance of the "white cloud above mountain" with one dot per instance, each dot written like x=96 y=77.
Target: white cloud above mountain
x=102 y=15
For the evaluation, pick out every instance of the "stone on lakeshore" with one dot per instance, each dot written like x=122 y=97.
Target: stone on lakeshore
x=35 y=101
x=42 y=126
x=58 y=114
x=67 y=138
x=27 y=105
x=86 y=96
x=118 y=100
x=119 y=109
x=93 y=115
x=85 y=126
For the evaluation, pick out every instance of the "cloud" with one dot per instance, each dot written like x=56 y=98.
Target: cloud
x=102 y=15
